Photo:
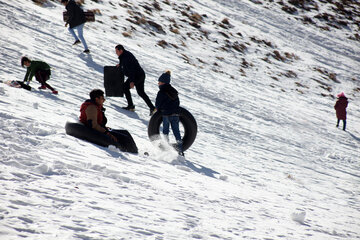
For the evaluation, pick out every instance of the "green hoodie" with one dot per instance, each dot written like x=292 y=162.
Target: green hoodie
x=34 y=67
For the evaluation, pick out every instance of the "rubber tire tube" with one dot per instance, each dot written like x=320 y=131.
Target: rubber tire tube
x=125 y=141
x=187 y=120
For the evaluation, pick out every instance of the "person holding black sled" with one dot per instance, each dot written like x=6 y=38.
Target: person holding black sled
x=92 y=115
x=340 y=107
x=39 y=69
x=136 y=77
x=76 y=20
x=167 y=102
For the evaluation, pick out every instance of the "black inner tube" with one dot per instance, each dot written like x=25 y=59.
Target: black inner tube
x=125 y=141
x=187 y=120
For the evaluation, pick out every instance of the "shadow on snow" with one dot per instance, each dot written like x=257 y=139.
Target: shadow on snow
x=198 y=168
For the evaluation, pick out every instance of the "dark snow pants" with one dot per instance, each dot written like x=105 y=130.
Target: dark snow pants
x=42 y=76
x=140 y=90
x=344 y=124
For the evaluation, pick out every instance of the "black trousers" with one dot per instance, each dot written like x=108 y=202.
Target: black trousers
x=42 y=76
x=139 y=89
x=344 y=124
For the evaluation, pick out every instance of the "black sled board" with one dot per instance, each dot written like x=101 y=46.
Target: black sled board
x=89 y=16
x=17 y=84
x=113 y=81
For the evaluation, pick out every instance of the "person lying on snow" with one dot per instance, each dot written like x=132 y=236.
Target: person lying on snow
x=39 y=69
x=167 y=102
x=92 y=113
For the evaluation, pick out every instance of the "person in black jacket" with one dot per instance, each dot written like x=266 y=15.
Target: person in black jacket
x=131 y=68
x=76 y=21
x=167 y=102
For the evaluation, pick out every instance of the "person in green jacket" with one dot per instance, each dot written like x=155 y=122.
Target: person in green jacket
x=39 y=69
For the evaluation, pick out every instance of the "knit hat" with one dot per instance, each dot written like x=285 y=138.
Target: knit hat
x=342 y=94
x=165 y=77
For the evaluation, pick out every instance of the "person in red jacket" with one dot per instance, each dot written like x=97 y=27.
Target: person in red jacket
x=340 y=107
x=92 y=113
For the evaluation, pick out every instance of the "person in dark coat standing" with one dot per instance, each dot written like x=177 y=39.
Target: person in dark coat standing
x=131 y=68
x=39 y=69
x=167 y=102
x=76 y=21
x=340 y=107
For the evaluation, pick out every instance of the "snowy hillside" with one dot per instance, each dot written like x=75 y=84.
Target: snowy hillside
x=261 y=79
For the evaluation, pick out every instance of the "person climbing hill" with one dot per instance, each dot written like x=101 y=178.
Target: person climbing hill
x=340 y=107
x=39 y=69
x=76 y=21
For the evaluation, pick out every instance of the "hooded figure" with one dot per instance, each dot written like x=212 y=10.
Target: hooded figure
x=167 y=103
x=340 y=107
x=167 y=100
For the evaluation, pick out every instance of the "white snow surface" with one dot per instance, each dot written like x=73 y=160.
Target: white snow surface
x=267 y=163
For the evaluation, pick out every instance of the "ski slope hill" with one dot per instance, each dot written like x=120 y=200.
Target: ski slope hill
x=267 y=163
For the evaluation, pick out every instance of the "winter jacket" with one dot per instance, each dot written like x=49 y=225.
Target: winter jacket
x=92 y=115
x=167 y=100
x=340 y=107
x=34 y=67
x=131 y=67
x=75 y=13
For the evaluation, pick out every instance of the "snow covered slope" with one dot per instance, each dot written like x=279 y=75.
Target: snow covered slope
x=268 y=161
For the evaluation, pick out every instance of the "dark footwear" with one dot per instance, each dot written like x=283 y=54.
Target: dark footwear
x=42 y=87
x=129 y=108
x=86 y=51
x=152 y=111
x=55 y=92
x=76 y=42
